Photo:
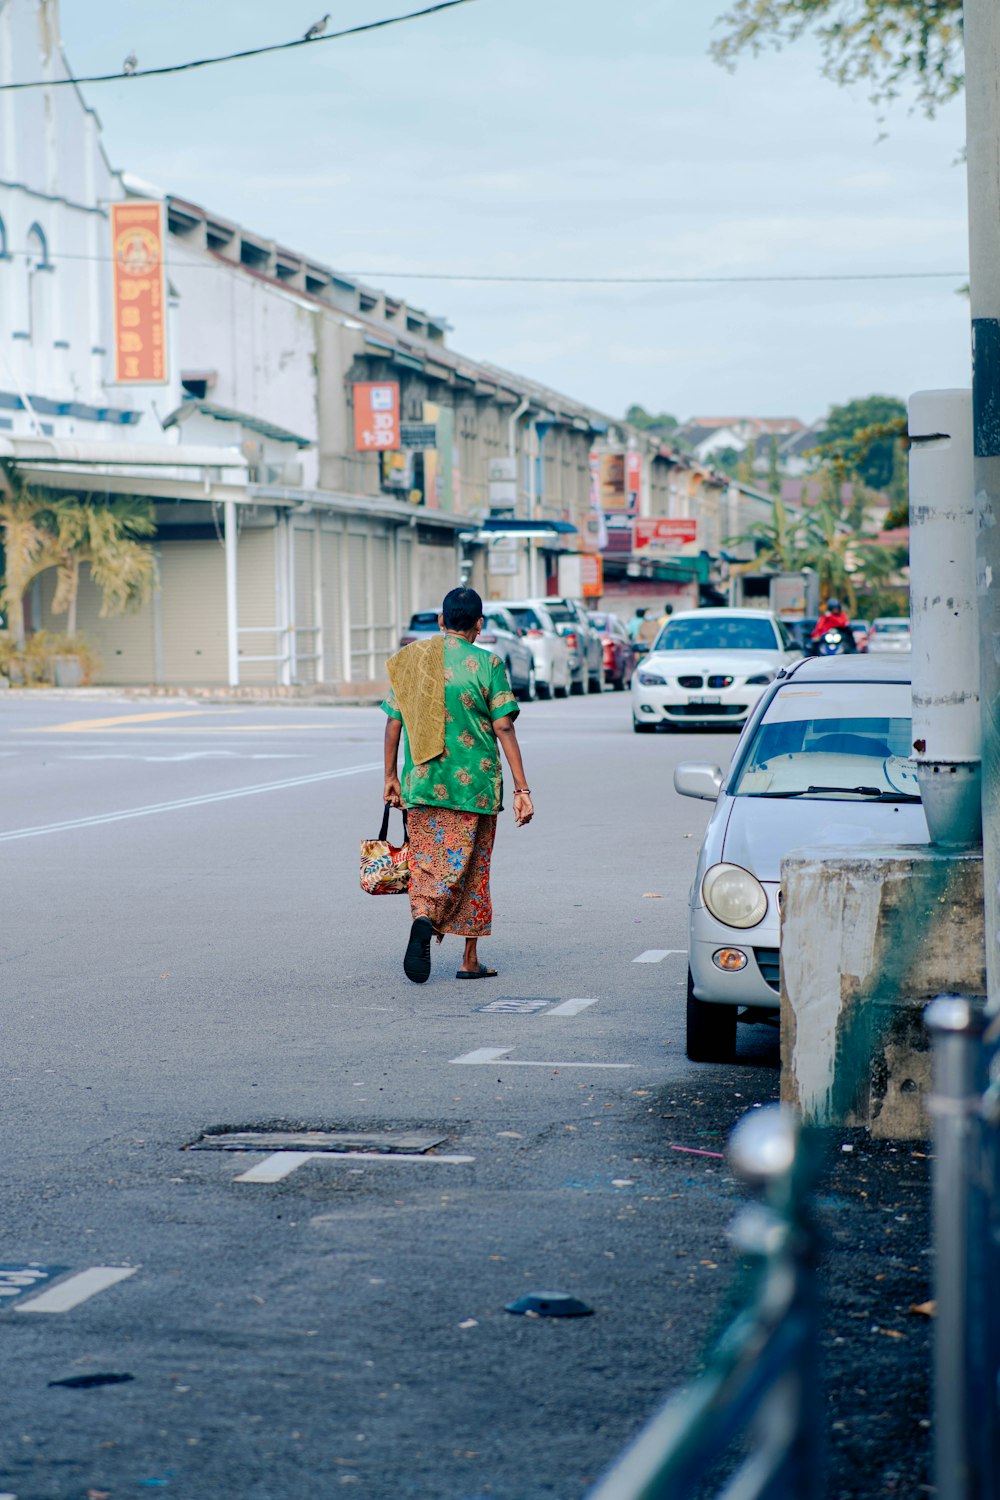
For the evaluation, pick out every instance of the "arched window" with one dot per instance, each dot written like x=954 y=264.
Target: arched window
x=38 y=249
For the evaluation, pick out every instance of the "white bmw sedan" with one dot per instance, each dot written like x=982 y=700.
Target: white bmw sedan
x=708 y=667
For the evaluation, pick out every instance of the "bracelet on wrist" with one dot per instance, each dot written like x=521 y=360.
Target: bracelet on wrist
x=522 y=791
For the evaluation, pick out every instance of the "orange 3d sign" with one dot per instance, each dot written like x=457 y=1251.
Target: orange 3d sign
x=376 y=415
x=140 y=304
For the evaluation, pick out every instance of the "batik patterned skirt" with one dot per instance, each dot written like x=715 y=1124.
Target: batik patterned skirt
x=450 y=855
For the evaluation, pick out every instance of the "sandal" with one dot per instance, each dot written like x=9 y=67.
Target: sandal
x=417 y=958
x=482 y=972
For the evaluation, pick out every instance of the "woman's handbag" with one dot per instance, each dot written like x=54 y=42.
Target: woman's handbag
x=385 y=869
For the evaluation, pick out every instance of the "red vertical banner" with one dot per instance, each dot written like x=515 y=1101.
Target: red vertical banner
x=140 y=293
x=633 y=481
x=376 y=415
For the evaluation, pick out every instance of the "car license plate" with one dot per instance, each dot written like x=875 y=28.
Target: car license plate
x=699 y=699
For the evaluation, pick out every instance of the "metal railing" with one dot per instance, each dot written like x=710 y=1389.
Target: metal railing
x=761 y=1382
x=964 y=1106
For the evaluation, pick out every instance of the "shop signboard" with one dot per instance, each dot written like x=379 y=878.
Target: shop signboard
x=139 y=294
x=633 y=481
x=417 y=435
x=591 y=575
x=612 y=482
x=376 y=415
x=666 y=534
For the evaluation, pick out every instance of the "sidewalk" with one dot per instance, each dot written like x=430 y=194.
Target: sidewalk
x=873 y=1206
x=368 y=695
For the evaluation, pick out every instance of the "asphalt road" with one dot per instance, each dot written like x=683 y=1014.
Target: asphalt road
x=185 y=948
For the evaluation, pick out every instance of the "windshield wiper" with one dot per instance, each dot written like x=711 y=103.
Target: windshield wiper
x=859 y=791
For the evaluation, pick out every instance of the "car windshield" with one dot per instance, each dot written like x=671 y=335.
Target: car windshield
x=848 y=740
x=893 y=627
x=528 y=619
x=717 y=634
x=495 y=622
x=427 y=620
x=562 y=615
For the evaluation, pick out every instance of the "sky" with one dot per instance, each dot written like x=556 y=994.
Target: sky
x=567 y=138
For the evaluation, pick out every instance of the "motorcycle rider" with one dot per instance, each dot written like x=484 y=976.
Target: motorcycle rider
x=833 y=619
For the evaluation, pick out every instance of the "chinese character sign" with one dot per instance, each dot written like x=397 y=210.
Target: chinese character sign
x=140 y=303
x=376 y=415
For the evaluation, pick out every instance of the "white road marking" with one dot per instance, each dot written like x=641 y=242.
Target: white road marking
x=570 y=1007
x=274 y=1168
x=185 y=802
x=281 y=1164
x=68 y=1294
x=483 y=1056
x=193 y=755
x=657 y=955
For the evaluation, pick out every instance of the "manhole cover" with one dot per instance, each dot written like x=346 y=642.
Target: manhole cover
x=514 y=1005
x=398 y=1143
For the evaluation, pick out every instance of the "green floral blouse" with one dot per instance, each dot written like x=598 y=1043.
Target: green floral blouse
x=466 y=775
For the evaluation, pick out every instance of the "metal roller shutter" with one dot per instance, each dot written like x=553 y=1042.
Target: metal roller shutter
x=255 y=565
x=193 y=577
x=124 y=643
x=333 y=635
x=305 y=613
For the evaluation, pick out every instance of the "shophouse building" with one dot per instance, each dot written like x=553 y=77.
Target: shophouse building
x=321 y=462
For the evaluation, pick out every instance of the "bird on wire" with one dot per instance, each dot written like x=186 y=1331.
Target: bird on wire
x=316 y=29
x=130 y=64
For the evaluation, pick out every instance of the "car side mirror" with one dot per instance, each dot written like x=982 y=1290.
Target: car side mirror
x=696 y=778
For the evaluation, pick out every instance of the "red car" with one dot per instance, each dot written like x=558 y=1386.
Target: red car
x=620 y=656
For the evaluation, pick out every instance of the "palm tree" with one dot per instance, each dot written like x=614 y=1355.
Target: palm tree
x=779 y=541
x=28 y=528
x=108 y=537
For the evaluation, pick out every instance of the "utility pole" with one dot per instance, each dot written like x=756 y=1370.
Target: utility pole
x=982 y=56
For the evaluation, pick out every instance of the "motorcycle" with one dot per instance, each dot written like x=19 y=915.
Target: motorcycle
x=834 y=643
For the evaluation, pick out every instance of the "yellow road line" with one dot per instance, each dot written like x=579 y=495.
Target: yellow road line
x=83 y=726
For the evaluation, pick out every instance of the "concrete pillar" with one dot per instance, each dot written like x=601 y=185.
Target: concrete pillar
x=869 y=935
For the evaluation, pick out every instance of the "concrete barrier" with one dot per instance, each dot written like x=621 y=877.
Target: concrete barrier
x=868 y=936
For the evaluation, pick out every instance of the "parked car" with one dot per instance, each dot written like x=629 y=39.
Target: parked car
x=889 y=637
x=620 y=656
x=860 y=630
x=501 y=636
x=586 y=654
x=423 y=623
x=553 y=673
x=708 y=667
x=824 y=758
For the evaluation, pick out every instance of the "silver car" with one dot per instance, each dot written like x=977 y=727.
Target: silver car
x=889 y=637
x=553 y=672
x=824 y=759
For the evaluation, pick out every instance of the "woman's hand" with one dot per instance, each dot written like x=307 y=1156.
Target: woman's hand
x=392 y=792
x=524 y=808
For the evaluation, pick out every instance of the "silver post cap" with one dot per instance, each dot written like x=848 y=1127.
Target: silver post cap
x=762 y=1146
x=956 y=1014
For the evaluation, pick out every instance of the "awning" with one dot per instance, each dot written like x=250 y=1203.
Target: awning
x=526 y=530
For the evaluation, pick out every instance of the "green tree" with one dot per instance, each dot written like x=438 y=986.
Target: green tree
x=884 y=44
x=864 y=435
x=773 y=468
x=28 y=528
x=662 y=425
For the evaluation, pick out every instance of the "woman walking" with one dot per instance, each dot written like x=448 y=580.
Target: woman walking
x=455 y=704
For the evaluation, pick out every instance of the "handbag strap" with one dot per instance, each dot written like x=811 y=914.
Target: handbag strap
x=384 y=831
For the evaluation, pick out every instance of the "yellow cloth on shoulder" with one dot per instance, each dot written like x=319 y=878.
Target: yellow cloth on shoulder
x=417 y=677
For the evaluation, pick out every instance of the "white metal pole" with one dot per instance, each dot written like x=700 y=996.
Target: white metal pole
x=982 y=94
x=947 y=737
x=231 y=538
x=291 y=664
x=319 y=634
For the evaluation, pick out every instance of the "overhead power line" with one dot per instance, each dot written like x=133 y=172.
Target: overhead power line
x=659 y=280
x=793 y=277
x=209 y=62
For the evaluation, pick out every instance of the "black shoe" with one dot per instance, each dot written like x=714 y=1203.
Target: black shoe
x=417 y=958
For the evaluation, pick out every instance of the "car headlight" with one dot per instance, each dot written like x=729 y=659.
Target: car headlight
x=761 y=679
x=734 y=896
x=650 y=679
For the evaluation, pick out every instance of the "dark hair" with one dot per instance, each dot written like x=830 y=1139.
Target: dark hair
x=462 y=609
